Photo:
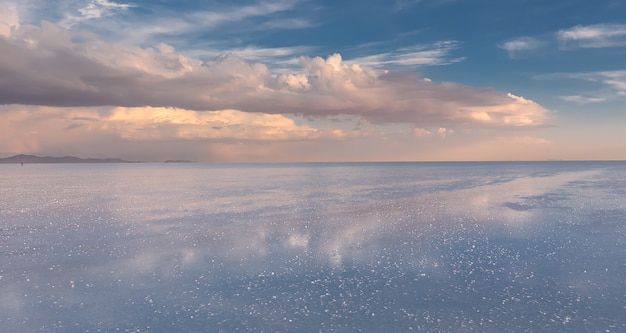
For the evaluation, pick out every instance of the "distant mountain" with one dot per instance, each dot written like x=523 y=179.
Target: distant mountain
x=65 y=159
x=179 y=161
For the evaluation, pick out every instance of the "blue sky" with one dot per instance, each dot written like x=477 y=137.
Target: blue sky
x=302 y=80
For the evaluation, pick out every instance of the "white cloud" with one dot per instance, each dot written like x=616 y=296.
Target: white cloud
x=234 y=14
x=615 y=81
x=418 y=55
x=582 y=99
x=521 y=44
x=94 y=10
x=593 y=36
x=204 y=20
x=589 y=36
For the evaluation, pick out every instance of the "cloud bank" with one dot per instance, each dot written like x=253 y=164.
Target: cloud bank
x=50 y=65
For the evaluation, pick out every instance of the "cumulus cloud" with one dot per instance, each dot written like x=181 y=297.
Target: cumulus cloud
x=49 y=65
x=443 y=132
x=422 y=132
x=518 y=112
x=593 y=36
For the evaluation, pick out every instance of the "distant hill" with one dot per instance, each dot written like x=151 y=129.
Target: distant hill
x=65 y=159
x=179 y=161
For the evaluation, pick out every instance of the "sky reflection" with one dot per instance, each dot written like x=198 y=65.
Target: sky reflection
x=382 y=247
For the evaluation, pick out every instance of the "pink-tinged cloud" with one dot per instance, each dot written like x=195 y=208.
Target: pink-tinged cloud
x=49 y=65
x=153 y=134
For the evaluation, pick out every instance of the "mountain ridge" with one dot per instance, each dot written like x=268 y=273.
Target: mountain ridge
x=24 y=158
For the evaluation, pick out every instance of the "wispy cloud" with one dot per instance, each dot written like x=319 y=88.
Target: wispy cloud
x=614 y=79
x=235 y=14
x=590 y=36
x=401 y=5
x=279 y=59
x=612 y=83
x=521 y=44
x=290 y=23
x=419 y=55
x=582 y=99
x=94 y=10
x=184 y=24
x=593 y=36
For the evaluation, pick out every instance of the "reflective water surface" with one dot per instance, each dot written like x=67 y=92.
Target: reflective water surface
x=380 y=247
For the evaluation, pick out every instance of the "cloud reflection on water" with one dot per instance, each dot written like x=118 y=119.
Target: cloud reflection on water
x=147 y=248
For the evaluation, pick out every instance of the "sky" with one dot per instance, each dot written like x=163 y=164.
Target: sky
x=314 y=80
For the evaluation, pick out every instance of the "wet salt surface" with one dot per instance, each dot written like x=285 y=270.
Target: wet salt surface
x=455 y=247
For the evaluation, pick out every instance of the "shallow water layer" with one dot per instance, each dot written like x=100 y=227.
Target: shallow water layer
x=372 y=247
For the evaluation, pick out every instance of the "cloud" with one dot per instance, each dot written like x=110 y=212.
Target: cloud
x=150 y=134
x=589 y=36
x=279 y=57
x=615 y=81
x=291 y=23
x=49 y=65
x=521 y=44
x=168 y=123
x=443 y=132
x=94 y=10
x=518 y=112
x=593 y=36
x=9 y=19
x=234 y=14
x=419 y=55
x=422 y=132
x=582 y=99
x=401 y=5
x=147 y=123
x=188 y=24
